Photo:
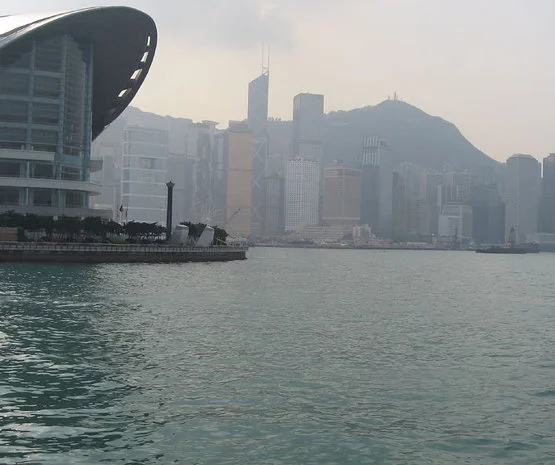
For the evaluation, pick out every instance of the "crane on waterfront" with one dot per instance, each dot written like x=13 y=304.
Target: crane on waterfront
x=232 y=216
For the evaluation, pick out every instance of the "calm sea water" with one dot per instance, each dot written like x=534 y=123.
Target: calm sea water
x=293 y=356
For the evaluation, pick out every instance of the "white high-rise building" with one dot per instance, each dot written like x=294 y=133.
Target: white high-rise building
x=302 y=193
x=522 y=197
x=143 y=183
x=308 y=133
x=455 y=222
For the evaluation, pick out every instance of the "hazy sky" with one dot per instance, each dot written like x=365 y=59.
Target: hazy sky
x=487 y=66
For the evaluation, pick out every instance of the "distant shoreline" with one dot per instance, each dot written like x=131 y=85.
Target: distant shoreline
x=351 y=247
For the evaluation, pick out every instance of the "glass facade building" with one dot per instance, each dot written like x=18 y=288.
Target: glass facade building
x=45 y=103
x=48 y=101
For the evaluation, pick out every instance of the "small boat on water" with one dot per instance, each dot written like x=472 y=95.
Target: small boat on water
x=503 y=250
x=510 y=248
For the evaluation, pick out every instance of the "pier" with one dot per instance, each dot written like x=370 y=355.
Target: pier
x=116 y=253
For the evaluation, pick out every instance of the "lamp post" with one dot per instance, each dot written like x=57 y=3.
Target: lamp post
x=169 y=210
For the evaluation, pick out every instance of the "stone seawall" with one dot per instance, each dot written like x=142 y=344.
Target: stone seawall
x=116 y=253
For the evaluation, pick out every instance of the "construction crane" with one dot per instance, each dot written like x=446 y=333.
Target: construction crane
x=232 y=216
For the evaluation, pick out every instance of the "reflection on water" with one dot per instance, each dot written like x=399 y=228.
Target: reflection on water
x=294 y=356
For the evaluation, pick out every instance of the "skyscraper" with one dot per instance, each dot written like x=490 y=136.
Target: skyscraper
x=488 y=214
x=273 y=205
x=522 y=197
x=308 y=126
x=370 y=186
x=410 y=212
x=200 y=149
x=238 y=153
x=302 y=193
x=308 y=129
x=399 y=208
x=434 y=200
x=258 y=124
x=341 y=195
x=457 y=187
x=547 y=221
x=143 y=189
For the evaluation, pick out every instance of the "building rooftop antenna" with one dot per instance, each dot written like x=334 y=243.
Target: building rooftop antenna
x=265 y=59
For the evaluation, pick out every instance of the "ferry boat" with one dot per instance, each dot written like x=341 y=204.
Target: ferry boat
x=511 y=248
x=503 y=250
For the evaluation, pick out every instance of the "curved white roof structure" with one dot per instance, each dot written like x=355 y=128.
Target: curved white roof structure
x=124 y=41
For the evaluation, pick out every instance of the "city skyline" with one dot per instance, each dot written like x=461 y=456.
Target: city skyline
x=493 y=84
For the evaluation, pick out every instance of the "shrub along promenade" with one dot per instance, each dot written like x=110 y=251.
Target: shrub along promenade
x=95 y=240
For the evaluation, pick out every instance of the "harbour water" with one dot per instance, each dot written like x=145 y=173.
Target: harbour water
x=293 y=356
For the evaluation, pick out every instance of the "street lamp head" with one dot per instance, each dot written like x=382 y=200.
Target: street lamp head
x=170 y=184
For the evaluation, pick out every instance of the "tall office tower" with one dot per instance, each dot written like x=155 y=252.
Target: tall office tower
x=274 y=205
x=455 y=222
x=308 y=132
x=219 y=184
x=302 y=193
x=308 y=126
x=238 y=154
x=409 y=199
x=488 y=214
x=457 y=187
x=370 y=186
x=258 y=124
x=342 y=189
x=143 y=189
x=200 y=149
x=399 y=208
x=547 y=211
x=522 y=197
x=434 y=200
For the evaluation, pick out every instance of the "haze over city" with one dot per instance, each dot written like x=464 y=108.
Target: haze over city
x=488 y=68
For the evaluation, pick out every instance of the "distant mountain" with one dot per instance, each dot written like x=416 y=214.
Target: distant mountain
x=408 y=133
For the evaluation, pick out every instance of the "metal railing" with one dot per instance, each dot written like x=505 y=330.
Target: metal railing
x=113 y=248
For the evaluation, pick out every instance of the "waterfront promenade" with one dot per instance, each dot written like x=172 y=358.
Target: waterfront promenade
x=116 y=253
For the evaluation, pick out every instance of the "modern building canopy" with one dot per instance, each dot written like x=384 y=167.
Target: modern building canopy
x=124 y=41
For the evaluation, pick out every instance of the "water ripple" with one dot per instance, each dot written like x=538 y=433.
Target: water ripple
x=294 y=356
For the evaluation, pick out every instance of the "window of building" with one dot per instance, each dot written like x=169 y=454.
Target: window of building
x=71 y=173
x=48 y=54
x=9 y=196
x=139 y=188
x=42 y=170
x=42 y=197
x=17 y=56
x=74 y=199
x=146 y=163
x=13 y=111
x=45 y=113
x=12 y=138
x=44 y=140
x=10 y=169
x=46 y=86
x=148 y=150
x=14 y=84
